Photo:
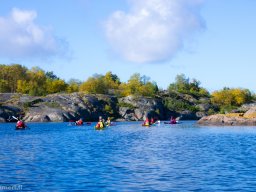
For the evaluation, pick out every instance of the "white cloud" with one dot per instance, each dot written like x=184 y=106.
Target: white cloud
x=21 y=37
x=153 y=30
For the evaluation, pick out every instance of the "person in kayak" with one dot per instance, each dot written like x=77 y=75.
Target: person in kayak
x=100 y=124
x=146 y=122
x=152 y=121
x=79 y=122
x=173 y=120
x=108 y=122
x=20 y=124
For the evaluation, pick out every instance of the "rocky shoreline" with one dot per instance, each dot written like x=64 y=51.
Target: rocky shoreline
x=70 y=107
x=232 y=119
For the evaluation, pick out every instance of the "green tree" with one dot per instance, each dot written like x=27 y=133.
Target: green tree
x=51 y=75
x=229 y=98
x=4 y=86
x=94 y=85
x=35 y=84
x=55 y=86
x=182 y=84
x=73 y=85
x=9 y=75
x=138 y=85
x=111 y=81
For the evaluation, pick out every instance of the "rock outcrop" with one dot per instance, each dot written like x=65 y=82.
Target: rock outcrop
x=70 y=107
x=137 y=108
x=227 y=120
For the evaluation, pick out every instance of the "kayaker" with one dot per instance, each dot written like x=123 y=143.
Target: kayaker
x=152 y=121
x=146 y=122
x=100 y=124
x=79 y=122
x=108 y=123
x=101 y=119
x=173 y=120
x=20 y=124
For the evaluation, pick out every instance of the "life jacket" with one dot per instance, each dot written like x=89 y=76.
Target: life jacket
x=108 y=122
x=173 y=121
x=146 y=122
x=79 y=122
x=152 y=121
x=20 y=124
x=100 y=125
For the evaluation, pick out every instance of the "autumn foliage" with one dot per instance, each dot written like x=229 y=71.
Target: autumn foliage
x=36 y=82
x=231 y=97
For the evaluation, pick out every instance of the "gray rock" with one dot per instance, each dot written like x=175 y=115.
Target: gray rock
x=251 y=113
x=188 y=115
x=6 y=112
x=246 y=107
x=4 y=97
x=138 y=108
x=2 y=120
x=204 y=107
x=66 y=107
x=224 y=120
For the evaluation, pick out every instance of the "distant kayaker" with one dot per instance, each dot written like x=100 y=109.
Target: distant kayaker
x=101 y=119
x=20 y=124
x=108 y=122
x=173 y=120
x=146 y=122
x=79 y=122
x=152 y=121
x=100 y=124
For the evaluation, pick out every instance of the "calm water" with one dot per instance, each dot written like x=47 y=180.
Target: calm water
x=128 y=157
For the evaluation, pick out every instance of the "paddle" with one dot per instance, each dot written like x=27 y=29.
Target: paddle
x=15 y=118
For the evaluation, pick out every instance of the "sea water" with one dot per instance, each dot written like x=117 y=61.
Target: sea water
x=127 y=157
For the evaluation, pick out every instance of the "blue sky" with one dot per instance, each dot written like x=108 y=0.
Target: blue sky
x=213 y=41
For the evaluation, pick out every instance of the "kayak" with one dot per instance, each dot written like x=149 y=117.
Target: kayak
x=112 y=124
x=99 y=128
x=171 y=122
x=84 y=124
x=20 y=128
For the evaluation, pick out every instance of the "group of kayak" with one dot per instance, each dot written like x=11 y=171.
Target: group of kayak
x=20 y=125
x=102 y=123
x=153 y=121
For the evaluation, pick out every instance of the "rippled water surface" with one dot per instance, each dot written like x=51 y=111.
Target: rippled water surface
x=128 y=157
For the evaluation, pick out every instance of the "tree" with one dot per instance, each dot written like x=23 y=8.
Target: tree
x=184 y=85
x=9 y=75
x=35 y=84
x=3 y=86
x=138 y=85
x=51 y=75
x=231 y=97
x=73 y=85
x=55 y=86
x=112 y=81
x=94 y=85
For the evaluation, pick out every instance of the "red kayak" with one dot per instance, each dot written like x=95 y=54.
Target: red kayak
x=86 y=123
x=20 y=128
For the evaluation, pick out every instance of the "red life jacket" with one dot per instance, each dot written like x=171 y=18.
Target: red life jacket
x=20 y=124
x=79 y=122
